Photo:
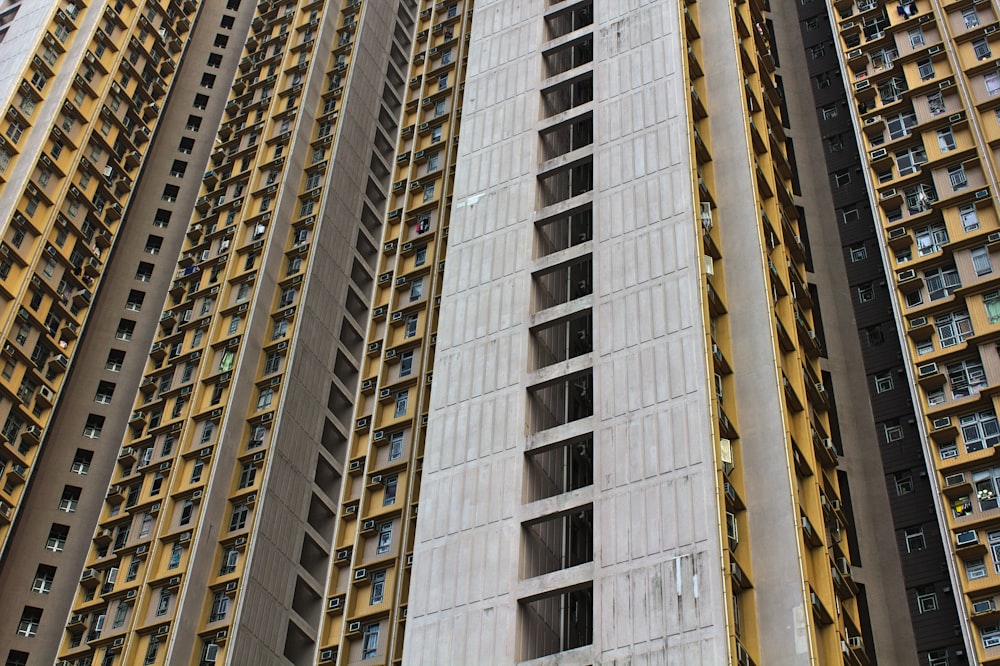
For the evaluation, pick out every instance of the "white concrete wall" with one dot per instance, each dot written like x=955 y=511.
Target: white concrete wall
x=654 y=495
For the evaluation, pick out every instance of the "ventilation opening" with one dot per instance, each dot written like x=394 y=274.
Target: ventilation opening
x=567 y=466
x=558 y=621
x=569 y=55
x=564 y=400
x=563 y=339
x=554 y=234
x=559 y=542
x=567 y=136
x=566 y=181
x=569 y=19
x=555 y=285
x=568 y=94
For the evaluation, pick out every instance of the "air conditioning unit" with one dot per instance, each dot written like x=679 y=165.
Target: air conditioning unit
x=231 y=586
x=993 y=237
x=378 y=436
x=856 y=642
x=327 y=655
x=966 y=538
x=899 y=232
x=905 y=276
x=174 y=581
x=118 y=642
x=130 y=594
x=983 y=193
x=350 y=509
x=368 y=526
x=376 y=479
x=980 y=607
x=355 y=465
x=355 y=627
x=927 y=369
x=861 y=85
x=361 y=574
x=384 y=393
x=878 y=154
x=241 y=541
x=142 y=550
x=940 y=423
x=954 y=479
x=409 y=560
x=991 y=641
x=917 y=322
x=885 y=194
x=934 y=49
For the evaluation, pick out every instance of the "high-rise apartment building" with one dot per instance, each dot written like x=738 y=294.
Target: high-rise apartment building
x=279 y=274
x=923 y=85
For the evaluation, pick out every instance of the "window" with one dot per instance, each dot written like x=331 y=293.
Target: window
x=858 y=253
x=410 y=327
x=916 y=37
x=152 y=648
x=220 y=606
x=239 y=518
x=170 y=193
x=420 y=256
x=144 y=273
x=970 y=17
x=899 y=124
x=94 y=425
x=44 y=576
x=145 y=525
x=866 y=292
x=823 y=80
x=416 y=289
x=957 y=177
x=378 y=588
x=909 y=160
x=941 y=282
x=369 y=641
x=892 y=430
x=982 y=49
x=178 y=168
x=402 y=398
x=175 y=555
x=990 y=635
x=981 y=261
x=931 y=239
x=953 y=328
x=992 y=81
x=925 y=68
x=248 y=474
x=69 y=500
x=81 y=461
x=125 y=329
x=120 y=612
x=406 y=363
x=926 y=599
x=914 y=539
x=105 y=390
x=841 y=178
x=196 y=470
x=230 y=557
x=883 y=382
x=395 y=446
x=164 y=602
x=280 y=328
x=428 y=192
x=207 y=80
x=264 y=398
x=30 y=619
x=389 y=495
x=980 y=430
x=966 y=378
x=969 y=217
x=903 y=483
x=56 y=540
x=975 y=569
